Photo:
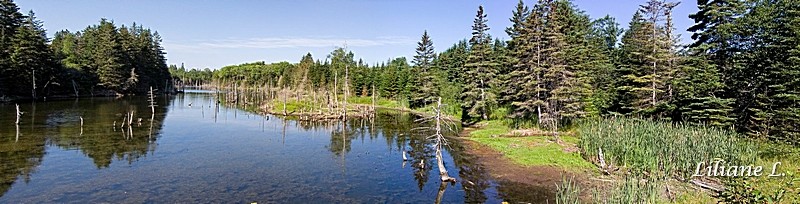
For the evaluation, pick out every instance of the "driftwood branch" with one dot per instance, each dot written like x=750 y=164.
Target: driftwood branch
x=602 y=159
x=707 y=185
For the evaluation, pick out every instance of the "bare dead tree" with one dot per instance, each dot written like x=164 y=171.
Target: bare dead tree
x=439 y=125
x=19 y=113
x=152 y=101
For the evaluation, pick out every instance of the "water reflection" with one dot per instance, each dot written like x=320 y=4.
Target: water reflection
x=85 y=125
x=209 y=151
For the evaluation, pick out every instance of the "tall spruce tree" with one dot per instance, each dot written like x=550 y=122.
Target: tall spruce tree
x=477 y=98
x=700 y=83
x=605 y=35
x=527 y=99
x=773 y=103
x=107 y=56
x=423 y=87
x=648 y=62
x=10 y=20
x=564 y=76
x=31 y=57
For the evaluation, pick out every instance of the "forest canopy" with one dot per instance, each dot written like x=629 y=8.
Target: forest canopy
x=102 y=59
x=560 y=66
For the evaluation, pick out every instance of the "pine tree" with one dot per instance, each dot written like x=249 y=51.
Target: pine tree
x=502 y=60
x=450 y=81
x=648 y=62
x=31 y=57
x=698 y=85
x=527 y=98
x=772 y=71
x=566 y=81
x=10 y=20
x=605 y=36
x=517 y=48
x=302 y=71
x=477 y=99
x=700 y=82
x=107 y=56
x=423 y=87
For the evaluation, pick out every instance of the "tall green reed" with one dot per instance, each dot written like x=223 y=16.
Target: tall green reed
x=661 y=149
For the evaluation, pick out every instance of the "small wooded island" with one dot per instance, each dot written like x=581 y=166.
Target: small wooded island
x=597 y=111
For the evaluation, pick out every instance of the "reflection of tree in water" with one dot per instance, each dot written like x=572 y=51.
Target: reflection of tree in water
x=104 y=142
x=59 y=123
x=396 y=128
x=474 y=177
x=19 y=158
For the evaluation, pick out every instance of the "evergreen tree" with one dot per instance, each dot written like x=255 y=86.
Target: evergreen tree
x=502 y=60
x=31 y=57
x=517 y=47
x=477 y=99
x=450 y=80
x=301 y=73
x=423 y=87
x=771 y=70
x=107 y=57
x=10 y=20
x=648 y=62
x=526 y=90
x=605 y=35
x=698 y=85
x=565 y=81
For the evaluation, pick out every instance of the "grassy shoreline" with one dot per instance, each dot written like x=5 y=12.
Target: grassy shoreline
x=633 y=146
x=658 y=152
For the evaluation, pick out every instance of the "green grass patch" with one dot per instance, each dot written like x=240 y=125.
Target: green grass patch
x=491 y=128
x=529 y=151
x=293 y=106
x=382 y=102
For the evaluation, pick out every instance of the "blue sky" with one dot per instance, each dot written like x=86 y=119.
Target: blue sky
x=205 y=33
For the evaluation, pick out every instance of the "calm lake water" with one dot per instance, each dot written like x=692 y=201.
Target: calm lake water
x=193 y=151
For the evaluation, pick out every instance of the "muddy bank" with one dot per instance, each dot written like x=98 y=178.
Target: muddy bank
x=535 y=182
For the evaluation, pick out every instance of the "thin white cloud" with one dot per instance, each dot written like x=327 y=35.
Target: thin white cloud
x=287 y=42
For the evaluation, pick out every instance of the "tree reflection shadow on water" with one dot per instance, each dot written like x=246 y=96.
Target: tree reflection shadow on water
x=85 y=125
x=250 y=170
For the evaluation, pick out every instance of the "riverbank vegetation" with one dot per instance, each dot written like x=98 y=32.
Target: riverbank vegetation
x=102 y=59
x=561 y=67
x=562 y=75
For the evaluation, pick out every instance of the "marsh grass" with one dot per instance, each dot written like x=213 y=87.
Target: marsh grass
x=568 y=192
x=631 y=190
x=660 y=149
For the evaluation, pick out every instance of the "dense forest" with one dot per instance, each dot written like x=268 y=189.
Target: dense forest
x=101 y=59
x=741 y=71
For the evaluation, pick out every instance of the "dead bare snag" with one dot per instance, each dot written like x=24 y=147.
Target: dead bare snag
x=439 y=140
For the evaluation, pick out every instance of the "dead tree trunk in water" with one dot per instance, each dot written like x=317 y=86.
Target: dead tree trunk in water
x=19 y=113
x=439 y=139
x=346 y=87
x=152 y=101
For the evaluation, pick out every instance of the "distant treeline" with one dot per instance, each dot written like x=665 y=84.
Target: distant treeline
x=100 y=60
x=742 y=71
